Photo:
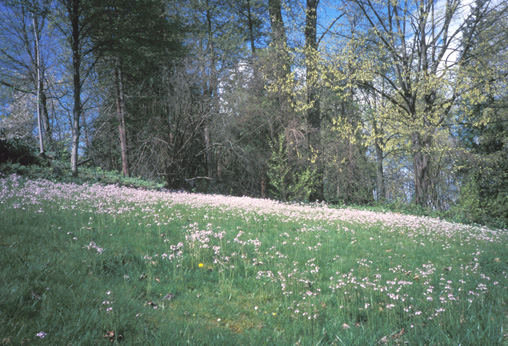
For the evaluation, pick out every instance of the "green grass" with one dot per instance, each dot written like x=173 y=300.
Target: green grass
x=80 y=262
x=59 y=171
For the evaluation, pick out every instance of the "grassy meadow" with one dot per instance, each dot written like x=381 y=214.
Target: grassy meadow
x=98 y=265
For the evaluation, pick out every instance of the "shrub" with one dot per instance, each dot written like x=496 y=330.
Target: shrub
x=15 y=151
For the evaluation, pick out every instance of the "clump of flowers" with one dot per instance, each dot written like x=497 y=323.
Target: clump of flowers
x=41 y=335
x=92 y=245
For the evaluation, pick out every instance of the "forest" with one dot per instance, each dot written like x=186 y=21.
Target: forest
x=360 y=102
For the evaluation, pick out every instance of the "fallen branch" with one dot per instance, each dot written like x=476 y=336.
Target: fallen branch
x=84 y=161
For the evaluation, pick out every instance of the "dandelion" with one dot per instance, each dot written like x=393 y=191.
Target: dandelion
x=200 y=265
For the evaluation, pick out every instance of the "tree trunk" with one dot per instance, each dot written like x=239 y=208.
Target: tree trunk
x=73 y=9
x=311 y=45
x=256 y=84
x=211 y=93
x=208 y=153
x=279 y=39
x=421 y=169
x=45 y=115
x=38 y=67
x=42 y=99
x=313 y=113
x=120 y=108
x=380 y=180
x=251 y=31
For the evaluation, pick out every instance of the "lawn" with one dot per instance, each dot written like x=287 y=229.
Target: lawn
x=93 y=264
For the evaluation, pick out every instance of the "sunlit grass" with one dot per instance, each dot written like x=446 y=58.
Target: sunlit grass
x=93 y=264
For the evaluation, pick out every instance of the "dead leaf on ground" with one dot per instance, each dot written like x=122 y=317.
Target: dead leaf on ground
x=399 y=334
x=396 y=338
x=152 y=304
x=110 y=335
x=169 y=296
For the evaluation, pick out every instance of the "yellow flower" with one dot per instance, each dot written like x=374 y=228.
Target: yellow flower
x=200 y=265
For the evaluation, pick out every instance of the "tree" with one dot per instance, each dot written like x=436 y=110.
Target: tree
x=133 y=40
x=424 y=72
x=24 y=67
x=311 y=46
x=75 y=20
x=278 y=39
x=482 y=166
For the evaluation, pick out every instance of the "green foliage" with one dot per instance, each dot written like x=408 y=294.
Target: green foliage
x=306 y=182
x=16 y=151
x=290 y=181
x=29 y=171
x=480 y=203
x=279 y=169
x=469 y=205
x=59 y=171
x=96 y=174
x=484 y=169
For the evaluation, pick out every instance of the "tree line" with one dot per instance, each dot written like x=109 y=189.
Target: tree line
x=301 y=100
